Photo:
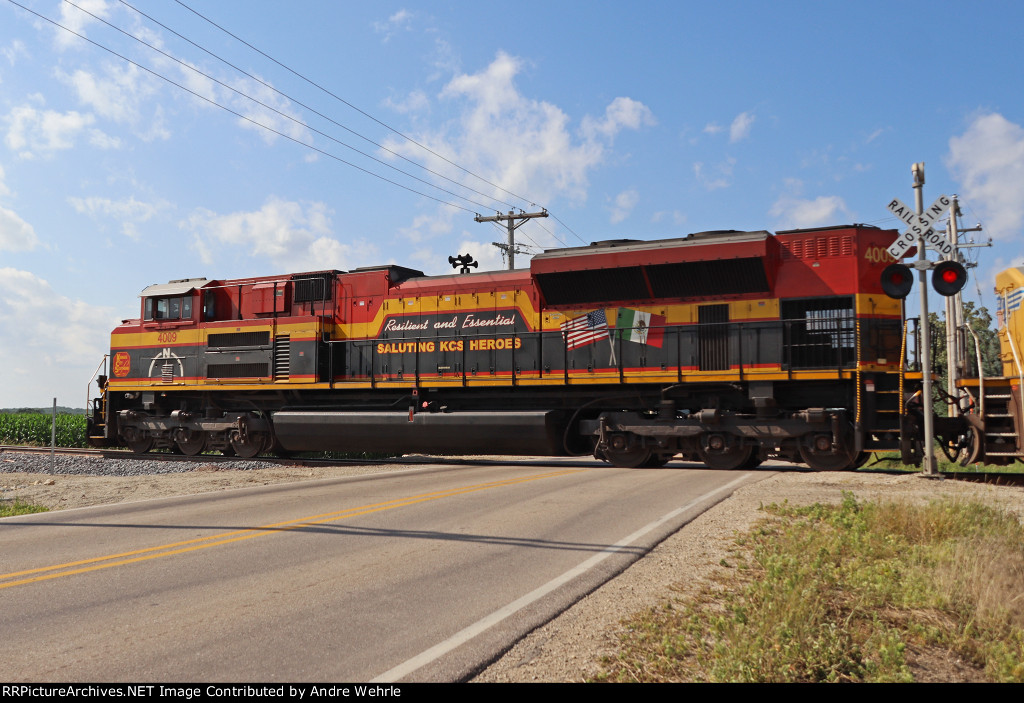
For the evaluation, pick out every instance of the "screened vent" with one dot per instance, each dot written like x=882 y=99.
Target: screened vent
x=597 y=286
x=238 y=339
x=313 y=287
x=819 y=247
x=691 y=279
x=250 y=370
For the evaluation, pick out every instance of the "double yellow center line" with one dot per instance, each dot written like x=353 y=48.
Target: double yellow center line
x=45 y=573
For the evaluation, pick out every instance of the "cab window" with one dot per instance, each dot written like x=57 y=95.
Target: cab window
x=170 y=308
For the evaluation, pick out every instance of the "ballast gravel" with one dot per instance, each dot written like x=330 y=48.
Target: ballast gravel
x=71 y=465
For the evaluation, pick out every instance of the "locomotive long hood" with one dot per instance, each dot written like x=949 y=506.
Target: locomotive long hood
x=699 y=265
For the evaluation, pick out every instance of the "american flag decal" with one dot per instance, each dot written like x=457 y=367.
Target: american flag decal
x=585 y=329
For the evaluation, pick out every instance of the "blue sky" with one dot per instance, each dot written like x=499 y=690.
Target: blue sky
x=646 y=120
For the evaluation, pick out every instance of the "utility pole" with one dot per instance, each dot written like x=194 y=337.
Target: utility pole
x=511 y=223
x=956 y=344
x=928 y=467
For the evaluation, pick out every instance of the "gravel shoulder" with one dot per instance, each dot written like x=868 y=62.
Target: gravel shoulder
x=570 y=647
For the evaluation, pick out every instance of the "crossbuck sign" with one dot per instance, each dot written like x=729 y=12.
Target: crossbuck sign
x=920 y=225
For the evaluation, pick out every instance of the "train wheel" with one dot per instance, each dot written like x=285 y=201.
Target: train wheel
x=717 y=452
x=191 y=442
x=626 y=452
x=818 y=455
x=248 y=446
x=140 y=445
x=658 y=460
x=136 y=440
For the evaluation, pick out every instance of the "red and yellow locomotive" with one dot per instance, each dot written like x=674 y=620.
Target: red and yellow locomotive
x=722 y=347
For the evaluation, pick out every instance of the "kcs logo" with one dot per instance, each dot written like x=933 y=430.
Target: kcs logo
x=122 y=364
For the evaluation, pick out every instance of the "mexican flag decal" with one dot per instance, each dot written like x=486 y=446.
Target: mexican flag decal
x=642 y=327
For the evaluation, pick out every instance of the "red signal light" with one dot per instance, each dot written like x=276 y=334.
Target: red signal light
x=949 y=277
x=897 y=280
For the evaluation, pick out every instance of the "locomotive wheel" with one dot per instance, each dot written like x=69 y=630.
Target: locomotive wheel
x=819 y=459
x=191 y=442
x=140 y=445
x=658 y=460
x=718 y=452
x=136 y=440
x=626 y=452
x=726 y=459
x=974 y=447
x=248 y=447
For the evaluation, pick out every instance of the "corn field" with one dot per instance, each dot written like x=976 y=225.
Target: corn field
x=34 y=429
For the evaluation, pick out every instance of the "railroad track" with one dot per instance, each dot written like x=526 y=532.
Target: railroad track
x=1005 y=479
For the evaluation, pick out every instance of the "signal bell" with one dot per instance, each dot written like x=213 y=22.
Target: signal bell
x=948 y=277
x=897 y=280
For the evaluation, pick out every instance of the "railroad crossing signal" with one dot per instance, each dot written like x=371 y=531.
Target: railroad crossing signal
x=897 y=280
x=948 y=277
x=919 y=225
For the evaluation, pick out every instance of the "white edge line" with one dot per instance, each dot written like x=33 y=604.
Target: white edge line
x=488 y=621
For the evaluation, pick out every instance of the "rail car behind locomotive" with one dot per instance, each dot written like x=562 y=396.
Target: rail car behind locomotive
x=721 y=347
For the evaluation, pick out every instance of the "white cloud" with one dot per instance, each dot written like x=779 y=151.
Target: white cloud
x=988 y=160
x=489 y=256
x=120 y=94
x=277 y=116
x=76 y=20
x=416 y=101
x=398 y=21
x=49 y=342
x=792 y=212
x=129 y=211
x=624 y=204
x=295 y=236
x=715 y=176
x=524 y=145
x=673 y=216
x=33 y=132
x=13 y=51
x=741 y=126
x=15 y=233
x=712 y=128
x=267 y=112
x=621 y=113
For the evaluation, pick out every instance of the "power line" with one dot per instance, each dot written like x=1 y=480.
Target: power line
x=294 y=100
x=279 y=112
x=239 y=115
x=362 y=112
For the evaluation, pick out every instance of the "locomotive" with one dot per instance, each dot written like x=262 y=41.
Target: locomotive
x=721 y=347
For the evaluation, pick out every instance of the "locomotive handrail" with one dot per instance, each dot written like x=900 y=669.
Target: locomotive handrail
x=981 y=371
x=103 y=363
x=1015 y=353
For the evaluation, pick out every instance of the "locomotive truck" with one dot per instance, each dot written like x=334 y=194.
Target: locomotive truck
x=722 y=347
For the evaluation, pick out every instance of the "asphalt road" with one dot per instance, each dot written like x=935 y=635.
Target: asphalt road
x=418 y=575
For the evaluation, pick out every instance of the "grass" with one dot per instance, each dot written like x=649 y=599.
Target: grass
x=842 y=593
x=891 y=460
x=19 y=507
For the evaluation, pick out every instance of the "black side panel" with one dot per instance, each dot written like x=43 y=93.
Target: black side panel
x=521 y=433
